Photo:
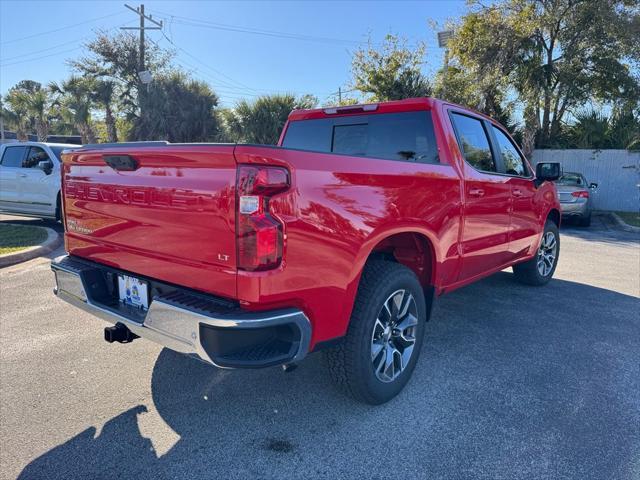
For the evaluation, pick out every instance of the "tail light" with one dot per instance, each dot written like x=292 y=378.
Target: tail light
x=259 y=235
x=580 y=194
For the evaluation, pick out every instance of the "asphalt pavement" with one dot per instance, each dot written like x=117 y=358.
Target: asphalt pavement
x=513 y=382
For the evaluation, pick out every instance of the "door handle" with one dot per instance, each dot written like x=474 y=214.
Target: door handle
x=476 y=192
x=22 y=175
x=518 y=193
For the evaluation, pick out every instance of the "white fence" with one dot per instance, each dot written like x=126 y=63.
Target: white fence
x=617 y=173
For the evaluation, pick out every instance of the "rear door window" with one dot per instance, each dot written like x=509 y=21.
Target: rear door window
x=473 y=142
x=406 y=136
x=13 y=156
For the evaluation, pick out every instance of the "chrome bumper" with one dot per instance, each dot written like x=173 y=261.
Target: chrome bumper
x=196 y=331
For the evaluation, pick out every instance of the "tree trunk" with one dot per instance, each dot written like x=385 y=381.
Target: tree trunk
x=110 y=121
x=531 y=125
x=21 y=133
x=546 y=113
x=42 y=129
x=87 y=134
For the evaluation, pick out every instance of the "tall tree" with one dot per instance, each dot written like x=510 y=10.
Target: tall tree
x=74 y=98
x=261 y=121
x=30 y=103
x=116 y=58
x=390 y=72
x=557 y=54
x=179 y=110
x=103 y=94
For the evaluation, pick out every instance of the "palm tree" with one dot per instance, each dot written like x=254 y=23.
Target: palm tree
x=261 y=121
x=103 y=91
x=38 y=107
x=590 y=130
x=74 y=99
x=30 y=105
x=18 y=112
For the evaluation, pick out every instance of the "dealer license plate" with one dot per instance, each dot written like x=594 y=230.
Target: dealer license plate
x=133 y=292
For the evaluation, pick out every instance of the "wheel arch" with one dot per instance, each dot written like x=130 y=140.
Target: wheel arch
x=554 y=216
x=412 y=247
x=409 y=245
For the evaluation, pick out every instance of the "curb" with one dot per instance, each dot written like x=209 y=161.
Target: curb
x=622 y=224
x=52 y=242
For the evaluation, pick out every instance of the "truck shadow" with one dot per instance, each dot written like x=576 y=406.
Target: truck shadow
x=602 y=229
x=543 y=374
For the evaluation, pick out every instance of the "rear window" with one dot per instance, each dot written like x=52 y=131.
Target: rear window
x=405 y=136
x=571 y=180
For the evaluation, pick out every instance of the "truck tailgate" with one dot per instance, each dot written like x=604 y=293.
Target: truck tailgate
x=169 y=214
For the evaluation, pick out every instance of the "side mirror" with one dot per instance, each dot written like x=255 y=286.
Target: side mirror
x=46 y=166
x=593 y=186
x=547 y=171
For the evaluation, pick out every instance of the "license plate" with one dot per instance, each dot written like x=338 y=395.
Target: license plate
x=133 y=292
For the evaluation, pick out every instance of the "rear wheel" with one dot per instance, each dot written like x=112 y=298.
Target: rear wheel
x=376 y=358
x=58 y=208
x=539 y=270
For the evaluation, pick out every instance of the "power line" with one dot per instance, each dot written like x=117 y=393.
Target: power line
x=61 y=28
x=39 y=58
x=4 y=59
x=186 y=64
x=259 y=31
x=44 y=50
x=236 y=85
x=205 y=65
x=256 y=31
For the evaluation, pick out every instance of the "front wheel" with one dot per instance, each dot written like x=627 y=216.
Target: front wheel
x=376 y=358
x=539 y=270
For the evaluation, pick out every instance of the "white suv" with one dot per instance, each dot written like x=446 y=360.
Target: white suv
x=30 y=178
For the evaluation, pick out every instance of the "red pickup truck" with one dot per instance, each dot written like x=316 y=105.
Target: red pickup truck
x=336 y=239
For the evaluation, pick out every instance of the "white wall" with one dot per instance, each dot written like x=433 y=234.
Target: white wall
x=617 y=173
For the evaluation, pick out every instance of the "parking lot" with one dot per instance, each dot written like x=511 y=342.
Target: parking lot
x=513 y=382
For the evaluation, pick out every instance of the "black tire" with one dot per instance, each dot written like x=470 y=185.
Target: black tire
x=58 y=208
x=529 y=272
x=585 y=221
x=350 y=363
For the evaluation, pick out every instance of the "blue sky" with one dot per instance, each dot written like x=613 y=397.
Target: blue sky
x=301 y=47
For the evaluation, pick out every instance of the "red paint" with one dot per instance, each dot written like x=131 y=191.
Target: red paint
x=174 y=218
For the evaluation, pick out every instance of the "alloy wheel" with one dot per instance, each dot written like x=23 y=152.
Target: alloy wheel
x=547 y=253
x=394 y=335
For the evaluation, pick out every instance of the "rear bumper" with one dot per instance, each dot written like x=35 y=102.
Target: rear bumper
x=213 y=329
x=574 y=209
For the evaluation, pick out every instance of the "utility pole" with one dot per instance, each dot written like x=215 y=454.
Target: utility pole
x=144 y=76
x=340 y=95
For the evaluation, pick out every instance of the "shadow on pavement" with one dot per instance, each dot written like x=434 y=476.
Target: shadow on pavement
x=549 y=390
x=602 y=229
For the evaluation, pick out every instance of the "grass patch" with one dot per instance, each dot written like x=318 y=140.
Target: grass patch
x=14 y=238
x=630 y=218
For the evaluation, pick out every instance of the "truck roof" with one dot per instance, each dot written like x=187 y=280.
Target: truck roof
x=394 y=106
